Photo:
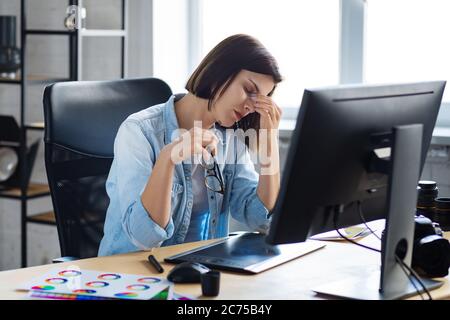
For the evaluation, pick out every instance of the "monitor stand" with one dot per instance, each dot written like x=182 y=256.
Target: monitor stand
x=390 y=282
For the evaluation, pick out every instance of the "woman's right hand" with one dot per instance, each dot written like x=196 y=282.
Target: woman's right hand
x=195 y=142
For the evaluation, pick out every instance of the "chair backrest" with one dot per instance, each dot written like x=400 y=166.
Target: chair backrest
x=81 y=122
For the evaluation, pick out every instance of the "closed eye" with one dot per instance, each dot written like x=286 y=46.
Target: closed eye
x=255 y=86
x=249 y=91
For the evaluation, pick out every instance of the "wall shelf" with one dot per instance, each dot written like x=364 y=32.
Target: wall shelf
x=25 y=192
x=38 y=126
x=33 y=79
x=47 y=218
x=75 y=39
x=48 y=32
x=34 y=190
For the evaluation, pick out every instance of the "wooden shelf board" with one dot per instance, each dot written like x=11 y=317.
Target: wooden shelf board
x=34 y=78
x=36 y=126
x=34 y=190
x=46 y=218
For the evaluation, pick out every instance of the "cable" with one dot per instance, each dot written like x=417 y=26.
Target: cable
x=405 y=271
x=402 y=264
x=416 y=276
x=359 y=205
x=338 y=210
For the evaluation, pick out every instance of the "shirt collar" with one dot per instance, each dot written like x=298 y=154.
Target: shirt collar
x=170 y=120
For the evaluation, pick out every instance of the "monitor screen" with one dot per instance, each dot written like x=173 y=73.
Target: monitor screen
x=328 y=163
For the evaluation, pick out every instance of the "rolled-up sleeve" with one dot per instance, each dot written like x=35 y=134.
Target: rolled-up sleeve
x=135 y=159
x=142 y=230
x=245 y=204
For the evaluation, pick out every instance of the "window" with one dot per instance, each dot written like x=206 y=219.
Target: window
x=406 y=40
x=170 y=42
x=302 y=35
x=403 y=41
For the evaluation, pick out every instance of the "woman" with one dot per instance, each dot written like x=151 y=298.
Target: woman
x=159 y=194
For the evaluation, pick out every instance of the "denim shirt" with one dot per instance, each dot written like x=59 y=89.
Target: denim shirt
x=140 y=138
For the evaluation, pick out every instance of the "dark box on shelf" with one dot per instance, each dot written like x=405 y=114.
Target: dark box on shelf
x=10 y=137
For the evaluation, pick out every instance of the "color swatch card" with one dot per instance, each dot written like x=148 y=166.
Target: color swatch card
x=178 y=296
x=78 y=284
x=166 y=294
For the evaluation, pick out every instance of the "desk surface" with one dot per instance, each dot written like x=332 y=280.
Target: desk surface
x=292 y=280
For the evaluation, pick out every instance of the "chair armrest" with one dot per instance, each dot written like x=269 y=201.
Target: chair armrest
x=64 y=259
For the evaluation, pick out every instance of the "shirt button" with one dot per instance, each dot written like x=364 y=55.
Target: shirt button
x=214 y=221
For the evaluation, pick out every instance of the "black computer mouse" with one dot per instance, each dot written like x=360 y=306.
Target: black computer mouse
x=187 y=272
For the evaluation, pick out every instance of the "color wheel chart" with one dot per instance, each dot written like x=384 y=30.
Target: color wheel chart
x=70 y=284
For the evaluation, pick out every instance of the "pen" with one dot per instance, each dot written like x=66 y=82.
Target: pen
x=155 y=263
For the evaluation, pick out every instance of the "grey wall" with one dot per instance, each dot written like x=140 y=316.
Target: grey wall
x=48 y=55
x=437 y=168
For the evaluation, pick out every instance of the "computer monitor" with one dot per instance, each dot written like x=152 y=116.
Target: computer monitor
x=334 y=161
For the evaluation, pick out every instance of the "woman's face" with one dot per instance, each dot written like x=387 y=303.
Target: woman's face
x=235 y=102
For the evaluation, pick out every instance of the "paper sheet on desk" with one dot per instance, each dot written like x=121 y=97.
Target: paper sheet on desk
x=354 y=232
x=76 y=284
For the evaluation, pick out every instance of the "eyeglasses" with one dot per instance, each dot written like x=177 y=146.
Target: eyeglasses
x=213 y=179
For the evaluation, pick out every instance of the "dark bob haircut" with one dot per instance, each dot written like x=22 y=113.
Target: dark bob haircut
x=222 y=64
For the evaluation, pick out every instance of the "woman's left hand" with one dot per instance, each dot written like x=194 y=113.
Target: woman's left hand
x=269 y=111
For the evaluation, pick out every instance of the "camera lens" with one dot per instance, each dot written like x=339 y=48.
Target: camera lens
x=442 y=213
x=427 y=191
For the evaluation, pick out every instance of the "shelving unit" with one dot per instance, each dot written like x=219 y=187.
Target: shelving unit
x=33 y=79
x=34 y=190
x=75 y=38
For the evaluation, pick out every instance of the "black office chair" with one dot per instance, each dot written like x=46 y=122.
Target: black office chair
x=81 y=122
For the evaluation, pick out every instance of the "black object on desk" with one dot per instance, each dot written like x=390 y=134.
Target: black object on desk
x=155 y=263
x=210 y=283
x=187 y=272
